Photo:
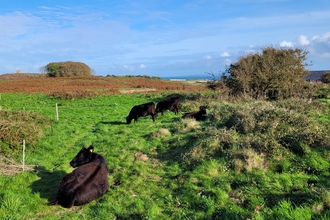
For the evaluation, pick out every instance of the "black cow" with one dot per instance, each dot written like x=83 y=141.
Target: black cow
x=87 y=182
x=141 y=110
x=200 y=115
x=168 y=104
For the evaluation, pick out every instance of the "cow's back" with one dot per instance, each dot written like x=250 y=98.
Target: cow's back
x=168 y=104
x=84 y=184
x=141 y=110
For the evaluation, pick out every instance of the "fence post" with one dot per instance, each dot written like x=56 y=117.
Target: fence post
x=56 y=112
x=23 y=154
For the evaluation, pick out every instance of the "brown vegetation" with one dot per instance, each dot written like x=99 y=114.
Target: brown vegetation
x=18 y=125
x=87 y=86
x=9 y=167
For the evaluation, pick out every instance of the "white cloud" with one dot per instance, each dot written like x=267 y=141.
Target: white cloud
x=142 y=66
x=286 y=44
x=225 y=54
x=207 y=57
x=324 y=38
x=302 y=40
x=130 y=68
x=321 y=45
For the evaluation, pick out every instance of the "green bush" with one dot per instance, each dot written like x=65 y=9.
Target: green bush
x=273 y=73
x=68 y=68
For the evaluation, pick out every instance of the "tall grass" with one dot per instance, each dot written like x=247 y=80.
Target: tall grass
x=253 y=160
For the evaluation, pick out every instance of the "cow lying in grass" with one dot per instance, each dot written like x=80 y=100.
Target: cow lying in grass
x=87 y=182
x=200 y=115
x=141 y=110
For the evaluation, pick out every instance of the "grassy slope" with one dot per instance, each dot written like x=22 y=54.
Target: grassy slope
x=99 y=121
x=167 y=185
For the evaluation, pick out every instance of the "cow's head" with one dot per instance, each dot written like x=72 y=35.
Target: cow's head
x=128 y=120
x=203 y=107
x=84 y=156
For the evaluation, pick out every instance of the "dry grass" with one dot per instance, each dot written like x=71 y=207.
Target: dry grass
x=87 y=86
x=255 y=160
x=141 y=156
x=18 y=125
x=189 y=125
x=161 y=133
x=9 y=166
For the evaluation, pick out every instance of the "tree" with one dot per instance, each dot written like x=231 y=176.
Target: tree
x=68 y=68
x=277 y=71
x=325 y=78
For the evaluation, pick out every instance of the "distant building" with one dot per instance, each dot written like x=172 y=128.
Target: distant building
x=315 y=76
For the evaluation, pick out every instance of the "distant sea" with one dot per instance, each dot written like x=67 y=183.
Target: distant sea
x=186 y=77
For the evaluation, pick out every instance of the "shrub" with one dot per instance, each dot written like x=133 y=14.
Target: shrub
x=325 y=78
x=68 y=68
x=259 y=134
x=16 y=126
x=272 y=73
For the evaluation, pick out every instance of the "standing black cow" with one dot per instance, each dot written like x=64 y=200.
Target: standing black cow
x=87 y=182
x=168 y=104
x=200 y=115
x=141 y=110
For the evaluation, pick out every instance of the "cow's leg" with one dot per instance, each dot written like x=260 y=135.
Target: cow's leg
x=53 y=202
x=71 y=203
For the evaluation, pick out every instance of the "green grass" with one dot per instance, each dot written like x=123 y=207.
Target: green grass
x=256 y=160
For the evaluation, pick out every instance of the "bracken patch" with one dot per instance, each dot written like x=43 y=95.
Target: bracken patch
x=88 y=86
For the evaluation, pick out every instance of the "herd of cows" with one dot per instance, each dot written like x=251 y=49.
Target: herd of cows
x=89 y=180
x=171 y=103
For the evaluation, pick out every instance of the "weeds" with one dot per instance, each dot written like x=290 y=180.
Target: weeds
x=16 y=126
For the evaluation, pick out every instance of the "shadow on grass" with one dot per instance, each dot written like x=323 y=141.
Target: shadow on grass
x=296 y=198
x=48 y=183
x=113 y=122
x=132 y=216
x=323 y=179
x=169 y=120
x=178 y=151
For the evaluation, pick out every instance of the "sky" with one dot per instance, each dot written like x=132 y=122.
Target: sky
x=158 y=38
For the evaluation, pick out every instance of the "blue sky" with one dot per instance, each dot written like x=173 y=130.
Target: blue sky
x=158 y=38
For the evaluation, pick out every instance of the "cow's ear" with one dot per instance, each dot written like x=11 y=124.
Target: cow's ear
x=91 y=148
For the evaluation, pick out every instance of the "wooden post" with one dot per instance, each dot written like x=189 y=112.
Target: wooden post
x=23 y=154
x=56 y=112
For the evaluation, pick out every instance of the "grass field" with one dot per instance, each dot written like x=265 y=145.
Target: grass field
x=255 y=160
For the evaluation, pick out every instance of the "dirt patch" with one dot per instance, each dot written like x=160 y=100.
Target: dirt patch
x=129 y=91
